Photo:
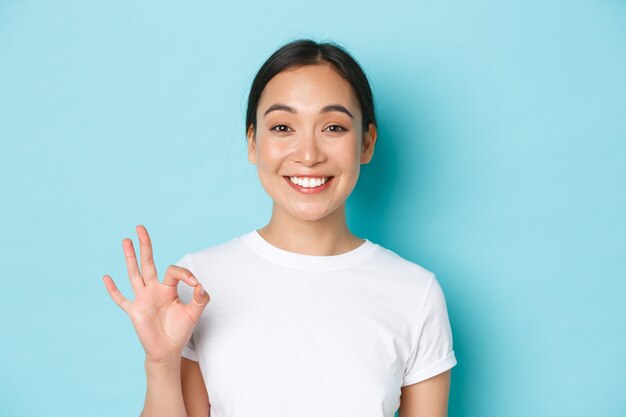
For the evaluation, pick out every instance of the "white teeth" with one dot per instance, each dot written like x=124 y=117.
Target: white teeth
x=308 y=182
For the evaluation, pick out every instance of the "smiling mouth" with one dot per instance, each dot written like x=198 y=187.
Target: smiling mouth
x=309 y=182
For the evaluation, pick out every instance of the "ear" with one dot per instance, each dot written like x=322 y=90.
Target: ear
x=251 y=145
x=369 y=140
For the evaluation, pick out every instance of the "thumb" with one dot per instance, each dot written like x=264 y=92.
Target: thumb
x=199 y=300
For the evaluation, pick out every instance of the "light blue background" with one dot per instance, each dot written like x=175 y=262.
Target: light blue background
x=501 y=166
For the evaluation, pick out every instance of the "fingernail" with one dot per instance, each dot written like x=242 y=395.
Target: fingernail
x=193 y=280
x=201 y=290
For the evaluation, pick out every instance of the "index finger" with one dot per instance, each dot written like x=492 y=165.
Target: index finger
x=148 y=269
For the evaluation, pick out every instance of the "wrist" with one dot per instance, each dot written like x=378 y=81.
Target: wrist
x=162 y=366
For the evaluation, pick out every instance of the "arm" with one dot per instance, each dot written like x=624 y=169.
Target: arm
x=163 y=323
x=164 y=396
x=194 y=391
x=428 y=398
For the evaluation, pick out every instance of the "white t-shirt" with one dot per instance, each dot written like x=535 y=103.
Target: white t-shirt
x=287 y=334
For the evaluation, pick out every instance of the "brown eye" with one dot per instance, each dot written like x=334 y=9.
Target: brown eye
x=336 y=128
x=281 y=128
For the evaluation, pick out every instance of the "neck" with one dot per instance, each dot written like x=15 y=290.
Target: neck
x=324 y=237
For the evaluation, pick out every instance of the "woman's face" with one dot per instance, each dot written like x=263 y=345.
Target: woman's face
x=309 y=132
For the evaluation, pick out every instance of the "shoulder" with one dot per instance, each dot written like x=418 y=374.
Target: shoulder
x=400 y=269
x=221 y=253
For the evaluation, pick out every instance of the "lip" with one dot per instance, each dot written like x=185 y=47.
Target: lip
x=307 y=190
x=308 y=176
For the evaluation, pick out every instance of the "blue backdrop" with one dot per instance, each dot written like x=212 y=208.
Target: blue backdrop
x=501 y=166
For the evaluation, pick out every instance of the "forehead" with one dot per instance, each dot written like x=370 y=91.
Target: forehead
x=309 y=86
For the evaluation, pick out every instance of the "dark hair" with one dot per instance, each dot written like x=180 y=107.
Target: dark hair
x=308 y=52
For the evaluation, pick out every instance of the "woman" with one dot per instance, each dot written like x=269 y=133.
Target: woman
x=306 y=318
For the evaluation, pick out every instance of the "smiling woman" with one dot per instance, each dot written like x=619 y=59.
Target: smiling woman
x=306 y=318
x=318 y=138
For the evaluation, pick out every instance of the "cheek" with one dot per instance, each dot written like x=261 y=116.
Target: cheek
x=271 y=154
x=351 y=154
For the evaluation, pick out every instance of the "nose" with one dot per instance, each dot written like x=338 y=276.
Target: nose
x=307 y=150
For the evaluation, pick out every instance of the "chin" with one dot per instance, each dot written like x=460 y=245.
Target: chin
x=310 y=215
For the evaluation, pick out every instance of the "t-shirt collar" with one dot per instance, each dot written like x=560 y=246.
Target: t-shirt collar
x=308 y=262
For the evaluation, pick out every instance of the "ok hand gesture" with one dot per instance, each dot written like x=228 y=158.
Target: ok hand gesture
x=163 y=323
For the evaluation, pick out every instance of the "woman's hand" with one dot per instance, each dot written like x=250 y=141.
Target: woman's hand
x=163 y=323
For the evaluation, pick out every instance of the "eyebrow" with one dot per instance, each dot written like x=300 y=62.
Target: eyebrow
x=325 y=109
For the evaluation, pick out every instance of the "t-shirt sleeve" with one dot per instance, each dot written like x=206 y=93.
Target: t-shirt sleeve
x=185 y=292
x=433 y=353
